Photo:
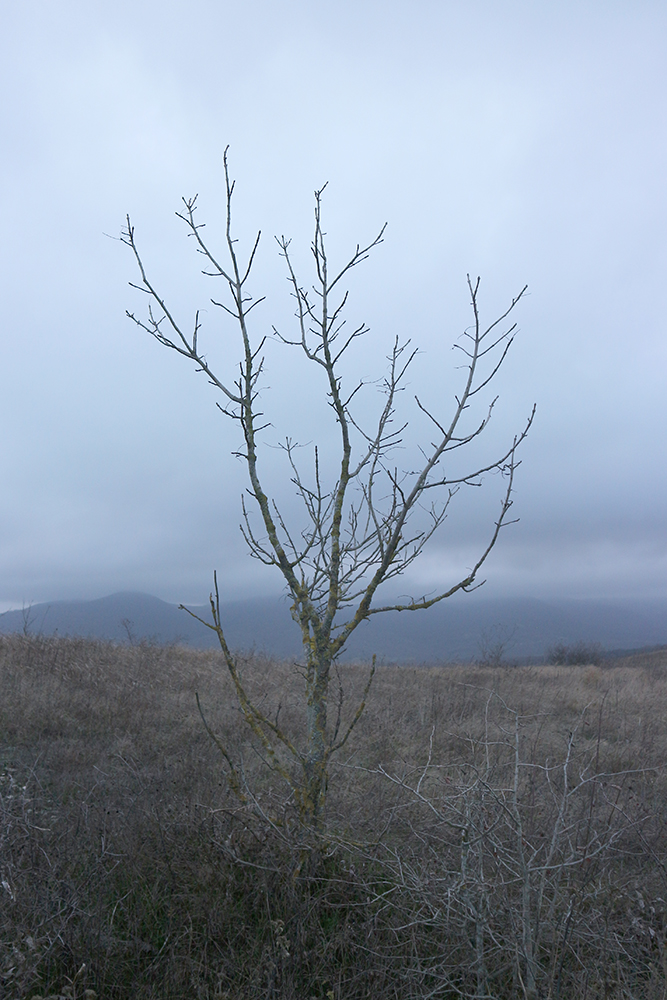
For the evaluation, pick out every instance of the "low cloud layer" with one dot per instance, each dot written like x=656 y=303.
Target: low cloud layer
x=522 y=142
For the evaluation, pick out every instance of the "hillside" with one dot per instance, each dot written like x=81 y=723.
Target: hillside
x=454 y=630
x=471 y=810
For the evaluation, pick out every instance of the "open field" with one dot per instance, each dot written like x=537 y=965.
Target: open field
x=490 y=832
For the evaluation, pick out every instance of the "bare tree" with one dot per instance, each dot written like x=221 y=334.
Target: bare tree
x=493 y=644
x=373 y=521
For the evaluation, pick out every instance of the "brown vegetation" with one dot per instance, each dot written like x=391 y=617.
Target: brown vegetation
x=489 y=833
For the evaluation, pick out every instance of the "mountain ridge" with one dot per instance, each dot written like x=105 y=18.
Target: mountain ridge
x=459 y=629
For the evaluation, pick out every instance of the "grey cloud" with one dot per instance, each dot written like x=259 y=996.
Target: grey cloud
x=522 y=142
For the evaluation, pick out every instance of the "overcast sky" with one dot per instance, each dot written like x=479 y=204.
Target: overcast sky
x=521 y=141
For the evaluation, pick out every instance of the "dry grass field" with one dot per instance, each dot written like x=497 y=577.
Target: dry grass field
x=490 y=833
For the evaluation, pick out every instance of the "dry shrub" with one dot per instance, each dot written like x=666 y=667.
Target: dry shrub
x=490 y=832
x=578 y=654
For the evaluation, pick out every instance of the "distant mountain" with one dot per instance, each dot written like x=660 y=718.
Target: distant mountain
x=128 y=617
x=457 y=629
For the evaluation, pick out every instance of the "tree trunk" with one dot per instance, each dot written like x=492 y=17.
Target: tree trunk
x=317 y=750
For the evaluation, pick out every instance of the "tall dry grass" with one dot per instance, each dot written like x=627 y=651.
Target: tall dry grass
x=490 y=832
